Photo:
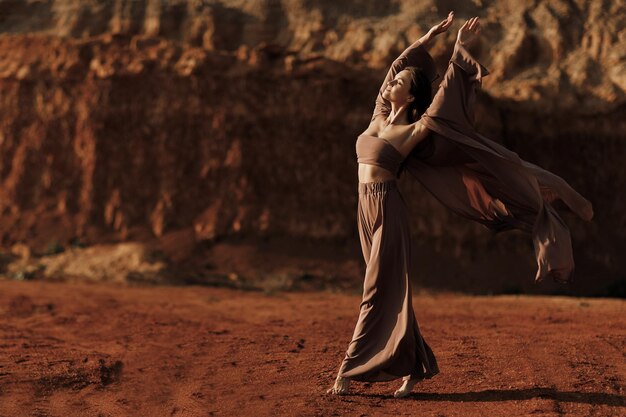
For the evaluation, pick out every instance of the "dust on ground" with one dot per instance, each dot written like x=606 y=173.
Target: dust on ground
x=78 y=349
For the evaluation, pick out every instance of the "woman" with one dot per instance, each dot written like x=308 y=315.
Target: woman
x=470 y=174
x=386 y=309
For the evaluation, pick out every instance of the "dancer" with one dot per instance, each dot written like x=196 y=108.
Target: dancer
x=473 y=176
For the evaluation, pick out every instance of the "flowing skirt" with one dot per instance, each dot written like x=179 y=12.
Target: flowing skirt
x=387 y=343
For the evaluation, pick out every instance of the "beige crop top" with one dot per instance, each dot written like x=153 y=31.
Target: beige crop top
x=378 y=151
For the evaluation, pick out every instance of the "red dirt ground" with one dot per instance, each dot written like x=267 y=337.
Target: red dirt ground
x=101 y=350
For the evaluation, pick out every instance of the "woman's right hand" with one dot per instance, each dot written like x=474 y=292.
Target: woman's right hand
x=443 y=25
x=469 y=31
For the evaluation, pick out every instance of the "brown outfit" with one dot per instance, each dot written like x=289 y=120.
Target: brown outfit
x=474 y=177
x=387 y=343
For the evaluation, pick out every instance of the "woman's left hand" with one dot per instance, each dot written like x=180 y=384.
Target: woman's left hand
x=469 y=31
x=443 y=25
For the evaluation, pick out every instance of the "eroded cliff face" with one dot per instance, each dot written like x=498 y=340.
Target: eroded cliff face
x=137 y=120
x=559 y=55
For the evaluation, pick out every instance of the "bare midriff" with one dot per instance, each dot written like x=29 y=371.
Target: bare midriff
x=374 y=173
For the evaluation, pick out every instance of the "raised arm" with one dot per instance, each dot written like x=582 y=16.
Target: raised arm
x=414 y=55
x=455 y=98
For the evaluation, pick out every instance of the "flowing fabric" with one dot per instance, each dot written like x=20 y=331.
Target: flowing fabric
x=480 y=179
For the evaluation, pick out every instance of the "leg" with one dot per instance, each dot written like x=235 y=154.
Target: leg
x=364 y=226
x=342 y=384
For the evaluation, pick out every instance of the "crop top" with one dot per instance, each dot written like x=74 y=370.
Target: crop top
x=378 y=151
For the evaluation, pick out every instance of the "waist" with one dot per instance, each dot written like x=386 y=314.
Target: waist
x=375 y=173
x=378 y=186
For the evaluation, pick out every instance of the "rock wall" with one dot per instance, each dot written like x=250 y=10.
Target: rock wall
x=566 y=55
x=134 y=119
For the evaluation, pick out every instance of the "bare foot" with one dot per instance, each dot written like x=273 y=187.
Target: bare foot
x=406 y=388
x=341 y=386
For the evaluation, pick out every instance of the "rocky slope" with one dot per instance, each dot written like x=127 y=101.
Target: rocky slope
x=197 y=121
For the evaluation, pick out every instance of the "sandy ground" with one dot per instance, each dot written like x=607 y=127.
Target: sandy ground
x=102 y=350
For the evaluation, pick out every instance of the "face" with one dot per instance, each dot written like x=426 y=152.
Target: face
x=398 y=89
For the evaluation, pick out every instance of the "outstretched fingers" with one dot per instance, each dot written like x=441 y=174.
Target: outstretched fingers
x=469 y=30
x=471 y=25
x=474 y=24
x=444 y=24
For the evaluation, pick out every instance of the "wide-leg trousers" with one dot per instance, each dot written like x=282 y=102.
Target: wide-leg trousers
x=387 y=343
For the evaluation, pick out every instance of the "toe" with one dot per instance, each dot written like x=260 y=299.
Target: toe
x=400 y=394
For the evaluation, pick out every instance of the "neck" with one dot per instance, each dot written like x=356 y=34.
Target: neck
x=398 y=113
